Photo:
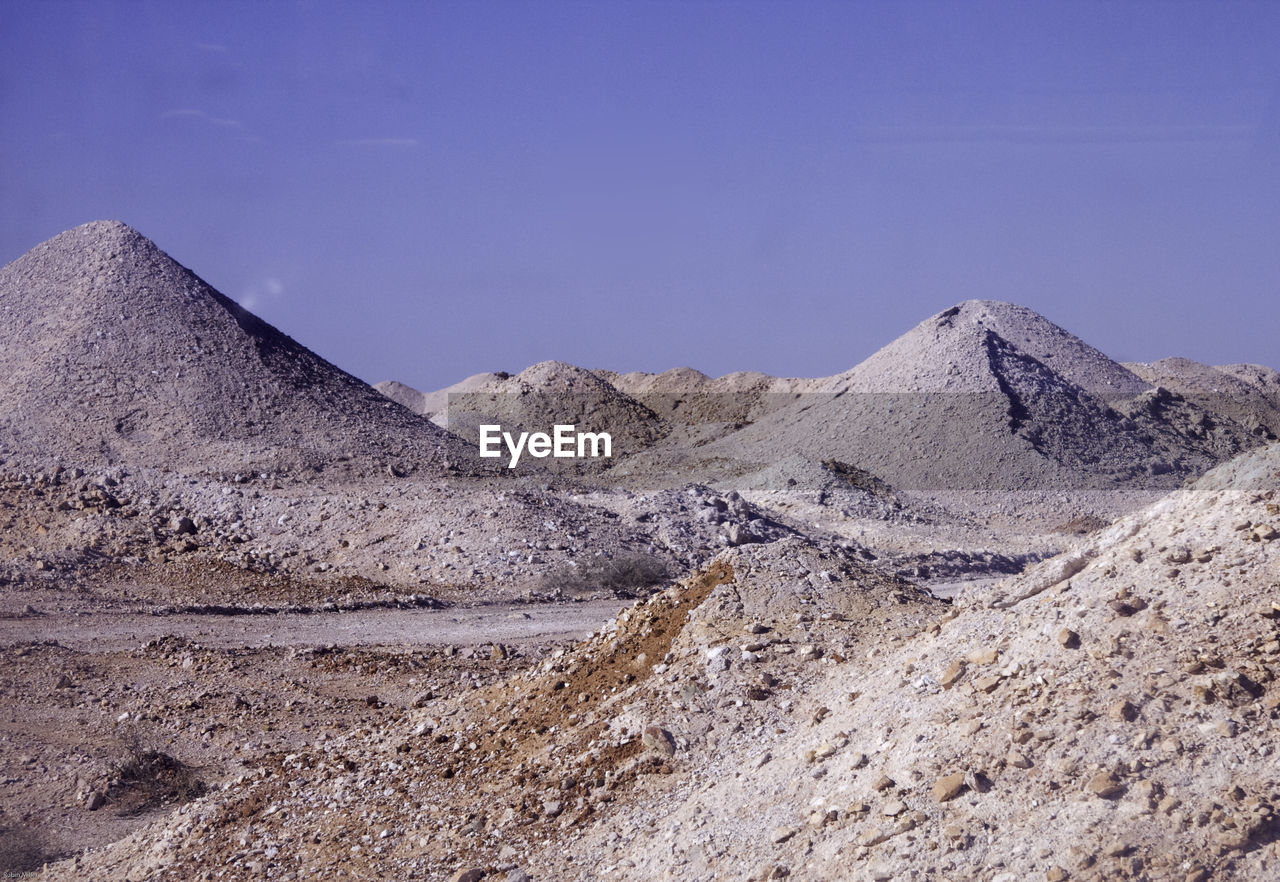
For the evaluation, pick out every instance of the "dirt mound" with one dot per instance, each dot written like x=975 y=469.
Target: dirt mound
x=119 y=355
x=1119 y=701
x=1264 y=378
x=988 y=396
x=845 y=490
x=685 y=396
x=495 y=775
x=1245 y=394
x=548 y=394
x=404 y=395
x=637 y=383
x=951 y=352
x=436 y=404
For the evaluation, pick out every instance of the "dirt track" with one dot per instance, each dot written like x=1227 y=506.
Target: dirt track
x=505 y=623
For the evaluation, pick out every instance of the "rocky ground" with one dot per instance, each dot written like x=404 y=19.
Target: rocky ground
x=967 y=611
x=786 y=710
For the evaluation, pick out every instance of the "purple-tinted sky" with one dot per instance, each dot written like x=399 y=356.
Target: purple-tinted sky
x=422 y=191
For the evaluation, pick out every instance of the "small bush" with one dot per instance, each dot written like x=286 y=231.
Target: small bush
x=628 y=574
x=144 y=778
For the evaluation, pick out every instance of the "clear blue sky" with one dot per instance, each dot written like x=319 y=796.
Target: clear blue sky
x=424 y=190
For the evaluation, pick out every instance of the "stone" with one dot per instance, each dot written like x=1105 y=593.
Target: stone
x=659 y=741
x=1122 y=711
x=1056 y=874
x=884 y=782
x=952 y=674
x=871 y=836
x=1234 y=838
x=987 y=656
x=472 y=874
x=987 y=684
x=1068 y=638
x=948 y=787
x=518 y=875
x=782 y=834
x=1147 y=792
x=1018 y=760
x=1105 y=786
x=821 y=818
x=893 y=808
x=1122 y=608
x=977 y=781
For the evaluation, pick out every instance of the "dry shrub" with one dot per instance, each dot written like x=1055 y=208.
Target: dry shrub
x=627 y=574
x=143 y=778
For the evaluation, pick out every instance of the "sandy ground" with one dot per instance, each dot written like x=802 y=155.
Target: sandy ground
x=503 y=623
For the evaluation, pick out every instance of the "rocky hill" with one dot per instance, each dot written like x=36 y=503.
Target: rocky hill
x=119 y=355
x=404 y=395
x=1246 y=394
x=545 y=395
x=991 y=396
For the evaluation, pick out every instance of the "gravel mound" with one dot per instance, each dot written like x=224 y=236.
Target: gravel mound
x=118 y=354
x=1245 y=394
x=545 y=395
x=990 y=396
x=952 y=352
x=1264 y=378
x=637 y=383
x=404 y=395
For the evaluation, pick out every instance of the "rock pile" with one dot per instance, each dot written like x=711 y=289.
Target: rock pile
x=119 y=355
x=990 y=396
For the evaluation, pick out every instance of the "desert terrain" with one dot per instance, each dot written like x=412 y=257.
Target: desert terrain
x=987 y=605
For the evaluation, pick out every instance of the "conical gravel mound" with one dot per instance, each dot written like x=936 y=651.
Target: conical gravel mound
x=118 y=355
x=952 y=352
x=992 y=396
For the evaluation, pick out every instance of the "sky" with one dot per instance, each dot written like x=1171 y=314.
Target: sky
x=426 y=190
